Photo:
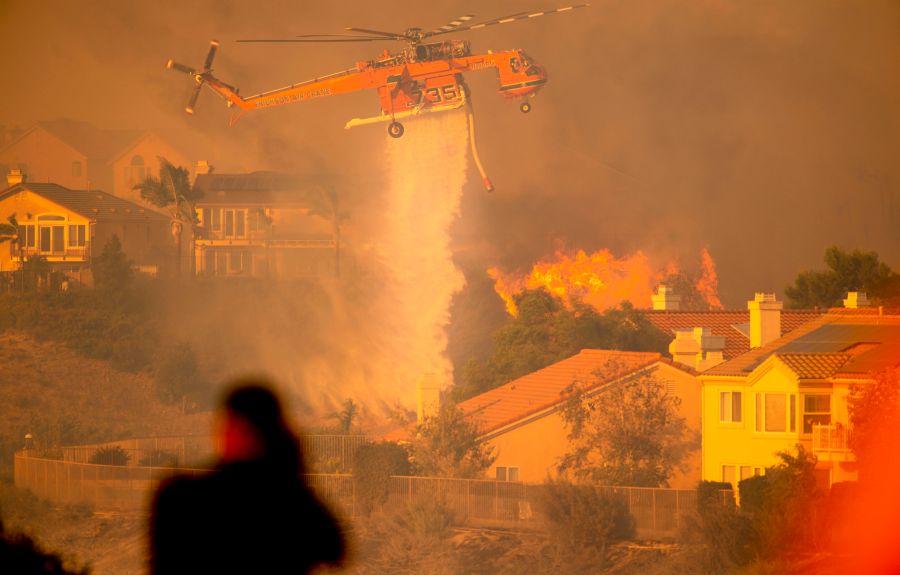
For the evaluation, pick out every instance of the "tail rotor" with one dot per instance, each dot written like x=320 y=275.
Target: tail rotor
x=199 y=76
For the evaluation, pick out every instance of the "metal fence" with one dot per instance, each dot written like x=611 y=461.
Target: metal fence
x=325 y=453
x=657 y=513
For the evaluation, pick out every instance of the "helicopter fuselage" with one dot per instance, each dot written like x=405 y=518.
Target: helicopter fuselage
x=422 y=78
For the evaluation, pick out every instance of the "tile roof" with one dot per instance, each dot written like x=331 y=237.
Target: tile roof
x=92 y=204
x=543 y=388
x=814 y=365
x=837 y=331
x=731 y=324
x=262 y=188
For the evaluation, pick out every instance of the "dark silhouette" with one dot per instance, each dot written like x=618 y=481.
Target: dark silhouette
x=19 y=554
x=252 y=513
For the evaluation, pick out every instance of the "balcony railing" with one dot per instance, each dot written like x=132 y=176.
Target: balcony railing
x=831 y=438
x=68 y=253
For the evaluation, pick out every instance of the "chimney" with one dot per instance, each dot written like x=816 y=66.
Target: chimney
x=428 y=392
x=856 y=300
x=765 y=319
x=665 y=299
x=202 y=167
x=15 y=176
x=697 y=348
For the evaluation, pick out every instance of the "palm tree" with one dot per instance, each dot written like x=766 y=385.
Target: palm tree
x=173 y=190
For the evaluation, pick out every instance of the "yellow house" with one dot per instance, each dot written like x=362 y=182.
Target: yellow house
x=522 y=419
x=793 y=390
x=79 y=156
x=67 y=227
x=265 y=224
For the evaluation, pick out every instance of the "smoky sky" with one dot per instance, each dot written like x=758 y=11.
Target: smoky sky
x=764 y=130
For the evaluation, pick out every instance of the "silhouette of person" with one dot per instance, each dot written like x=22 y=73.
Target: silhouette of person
x=252 y=513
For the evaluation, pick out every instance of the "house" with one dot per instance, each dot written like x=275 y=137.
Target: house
x=702 y=339
x=79 y=156
x=793 y=390
x=522 y=419
x=67 y=227
x=265 y=224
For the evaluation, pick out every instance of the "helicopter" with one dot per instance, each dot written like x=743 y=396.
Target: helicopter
x=423 y=77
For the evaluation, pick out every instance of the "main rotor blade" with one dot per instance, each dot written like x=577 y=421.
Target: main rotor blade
x=193 y=101
x=313 y=41
x=393 y=35
x=213 y=45
x=172 y=65
x=511 y=18
x=338 y=36
x=451 y=26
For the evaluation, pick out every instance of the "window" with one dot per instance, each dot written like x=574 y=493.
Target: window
x=235 y=223
x=229 y=223
x=26 y=236
x=257 y=220
x=240 y=229
x=136 y=171
x=730 y=406
x=507 y=474
x=816 y=410
x=76 y=168
x=215 y=219
x=76 y=235
x=728 y=474
x=776 y=412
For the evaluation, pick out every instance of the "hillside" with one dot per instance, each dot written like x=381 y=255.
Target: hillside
x=62 y=398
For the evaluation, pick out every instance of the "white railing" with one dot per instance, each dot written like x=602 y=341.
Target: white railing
x=830 y=438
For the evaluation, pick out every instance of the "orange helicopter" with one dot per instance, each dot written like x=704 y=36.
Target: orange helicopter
x=421 y=78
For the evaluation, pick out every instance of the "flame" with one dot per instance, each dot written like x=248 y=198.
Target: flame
x=708 y=284
x=600 y=279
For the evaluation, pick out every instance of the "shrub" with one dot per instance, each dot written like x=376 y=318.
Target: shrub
x=582 y=520
x=110 y=455
x=374 y=464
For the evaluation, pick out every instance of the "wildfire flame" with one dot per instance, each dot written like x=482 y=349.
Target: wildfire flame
x=600 y=279
x=708 y=284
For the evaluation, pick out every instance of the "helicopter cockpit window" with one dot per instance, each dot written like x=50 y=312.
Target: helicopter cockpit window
x=515 y=65
x=421 y=53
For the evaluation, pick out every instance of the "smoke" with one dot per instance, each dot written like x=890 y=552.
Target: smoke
x=371 y=334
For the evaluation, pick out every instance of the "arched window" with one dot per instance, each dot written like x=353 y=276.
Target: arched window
x=136 y=171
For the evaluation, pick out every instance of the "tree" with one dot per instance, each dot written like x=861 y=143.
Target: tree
x=628 y=434
x=546 y=331
x=446 y=445
x=875 y=417
x=173 y=190
x=112 y=269
x=847 y=271
x=346 y=416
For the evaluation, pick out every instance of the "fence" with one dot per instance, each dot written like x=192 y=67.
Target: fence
x=330 y=453
x=658 y=513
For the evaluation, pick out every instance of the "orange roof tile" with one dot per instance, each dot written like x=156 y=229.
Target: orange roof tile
x=814 y=365
x=730 y=324
x=543 y=388
x=835 y=331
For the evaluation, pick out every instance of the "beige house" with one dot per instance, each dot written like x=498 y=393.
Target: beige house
x=265 y=224
x=522 y=419
x=68 y=227
x=794 y=390
x=79 y=156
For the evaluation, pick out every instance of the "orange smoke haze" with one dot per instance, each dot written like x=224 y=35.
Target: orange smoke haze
x=601 y=280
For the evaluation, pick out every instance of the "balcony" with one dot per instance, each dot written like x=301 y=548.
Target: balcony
x=67 y=254
x=831 y=442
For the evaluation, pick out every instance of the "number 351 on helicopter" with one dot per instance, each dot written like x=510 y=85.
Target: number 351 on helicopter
x=423 y=77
